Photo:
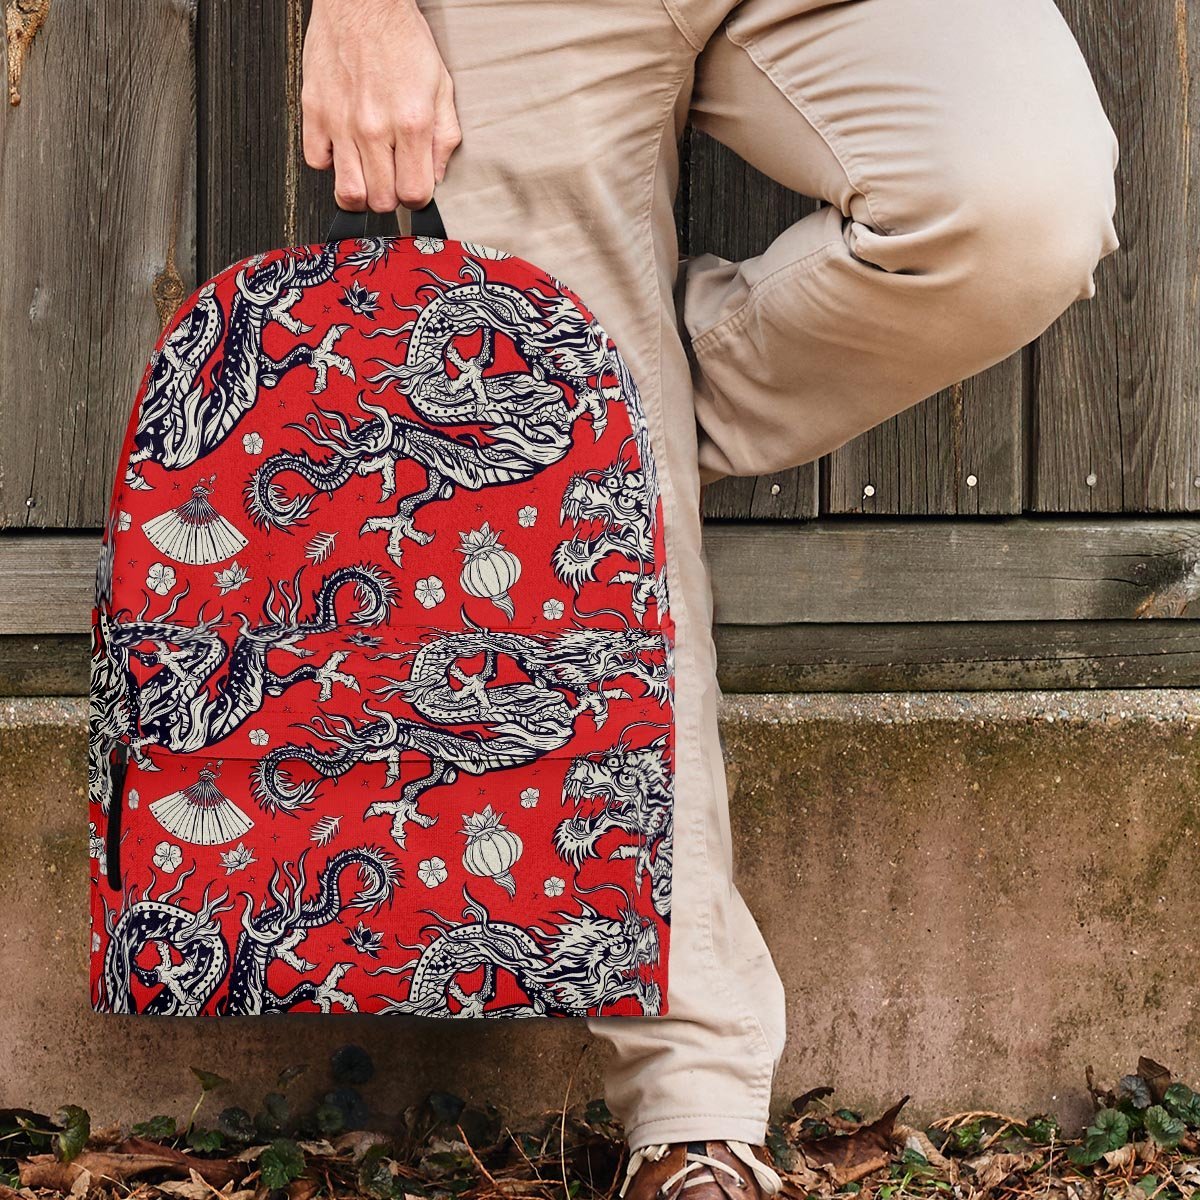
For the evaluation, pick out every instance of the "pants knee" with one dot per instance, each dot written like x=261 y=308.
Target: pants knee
x=1017 y=253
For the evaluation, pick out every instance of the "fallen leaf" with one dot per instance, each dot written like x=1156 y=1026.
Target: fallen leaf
x=1157 y=1077
x=849 y=1157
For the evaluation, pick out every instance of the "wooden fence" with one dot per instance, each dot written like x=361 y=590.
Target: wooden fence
x=1015 y=530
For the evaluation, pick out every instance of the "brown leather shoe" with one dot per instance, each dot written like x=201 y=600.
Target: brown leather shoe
x=701 y=1171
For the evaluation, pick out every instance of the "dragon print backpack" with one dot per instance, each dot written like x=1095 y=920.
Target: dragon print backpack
x=382 y=655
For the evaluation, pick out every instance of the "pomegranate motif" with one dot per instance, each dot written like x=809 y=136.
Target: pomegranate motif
x=490 y=570
x=492 y=848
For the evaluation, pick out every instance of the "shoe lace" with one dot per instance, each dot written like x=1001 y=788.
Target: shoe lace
x=768 y=1179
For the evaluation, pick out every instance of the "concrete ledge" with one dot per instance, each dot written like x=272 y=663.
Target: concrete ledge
x=970 y=897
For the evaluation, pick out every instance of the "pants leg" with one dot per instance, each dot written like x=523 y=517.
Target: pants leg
x=571 y=113
x=968 y=168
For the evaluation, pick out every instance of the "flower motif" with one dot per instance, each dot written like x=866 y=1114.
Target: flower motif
x=365 y=940
x=252 y=443
x=259 y=737
x=133 y=799
x=554 y=886
x=530 y=797
x=168 y=857
x=160 y=578
x=124 y=520
x=232 y=578
x=432 y=871
x=553 y=610
x=95 y=842
x=358 y=300
x=479 y=251
x=237 y=859
x=527 y=516
x=429 y=591
x=429 y=245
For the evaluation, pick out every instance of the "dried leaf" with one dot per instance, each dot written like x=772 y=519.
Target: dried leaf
x=1157 y=1077
x=849 y=1157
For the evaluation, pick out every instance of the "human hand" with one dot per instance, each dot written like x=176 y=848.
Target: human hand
x=377 y=103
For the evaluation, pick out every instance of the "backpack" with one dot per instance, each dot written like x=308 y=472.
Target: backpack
x=382 y=679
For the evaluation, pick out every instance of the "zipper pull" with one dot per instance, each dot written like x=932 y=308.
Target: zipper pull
x=118 y=759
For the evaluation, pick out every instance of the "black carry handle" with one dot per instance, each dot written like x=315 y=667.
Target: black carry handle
x=426 y=222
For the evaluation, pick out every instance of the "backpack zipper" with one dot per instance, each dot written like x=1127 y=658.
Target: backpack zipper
x=118 y=758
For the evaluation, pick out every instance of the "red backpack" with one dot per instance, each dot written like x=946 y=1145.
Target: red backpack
x=382 y=675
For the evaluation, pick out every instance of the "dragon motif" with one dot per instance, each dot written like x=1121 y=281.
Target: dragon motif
x=626 y=789
x=526 y=719
x=203 y=688
x=528 y=418
x=193 y=957
x=182 y=417
x=586 y=963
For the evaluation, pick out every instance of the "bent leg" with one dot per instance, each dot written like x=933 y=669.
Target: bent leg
x=968 y=168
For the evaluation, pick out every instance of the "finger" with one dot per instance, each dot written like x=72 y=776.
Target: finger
x=447 y=134
x=414 y=163
x=318 y=146
x=349 y=187
x=318 y=149
x=377 y=156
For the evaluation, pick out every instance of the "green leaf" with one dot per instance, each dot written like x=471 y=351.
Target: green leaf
x=330 y=1119
x=1148 y=1184
x=1136 y=1089
x=966 y=1137
x=209 y=1080
x=236 y=1124
x=280 y=1163
x=157 y=1129
x=1165 y=1129
x=1108 y=1131
x=74 y=1125
x=271 y=1118
x=1112 y=1126
x=375 y=1173
x=1180 y=1101
x=1043 y=1129
x=206 y=1141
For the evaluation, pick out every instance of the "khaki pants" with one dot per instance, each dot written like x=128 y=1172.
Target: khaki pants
x=967 y=167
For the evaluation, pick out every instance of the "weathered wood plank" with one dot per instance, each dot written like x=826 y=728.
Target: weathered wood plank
x=959 y=453
x=47 y=584
x=735 y=211
x=1014 y=569
x=823 y=572
x=1117 y=396
x=97 y=224
x=257 y=193
x=958 y=656
x=954 y=656
x=54 y=665
x=953 y=570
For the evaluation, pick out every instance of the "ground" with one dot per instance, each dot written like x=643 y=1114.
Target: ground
x=1143 y=1141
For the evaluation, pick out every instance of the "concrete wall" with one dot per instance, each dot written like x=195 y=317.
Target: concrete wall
x=970 y=897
